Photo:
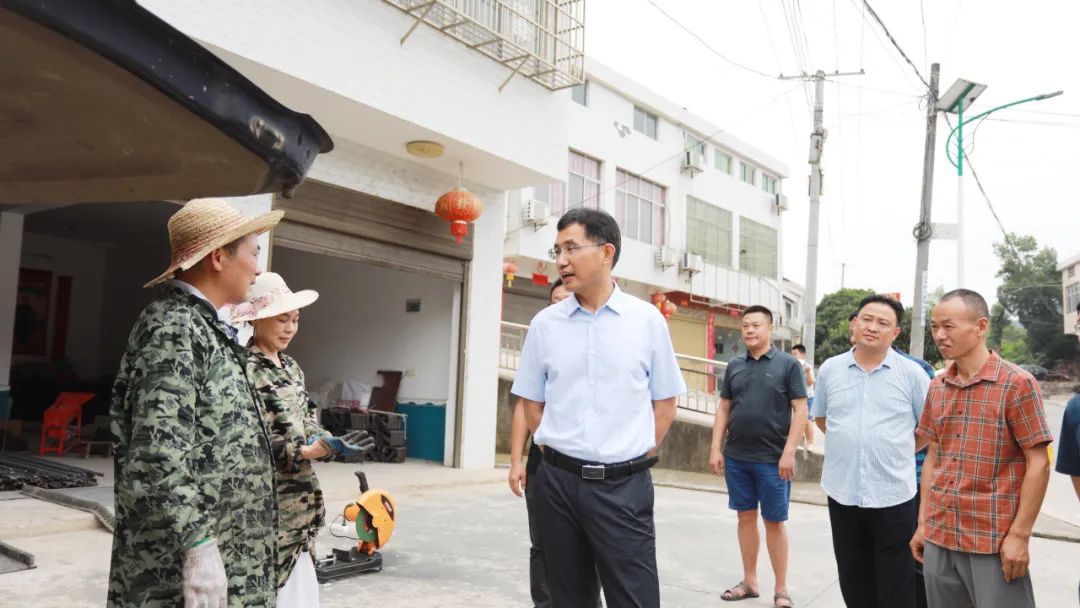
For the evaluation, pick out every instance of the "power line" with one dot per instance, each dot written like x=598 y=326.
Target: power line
x=709 y=46
x=896 y=44
x=922 y=15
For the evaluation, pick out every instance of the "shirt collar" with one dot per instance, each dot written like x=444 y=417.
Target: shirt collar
x=989 y=372
x=222 y=313
x=768 y=354
x=890 y=360
x=617 y=302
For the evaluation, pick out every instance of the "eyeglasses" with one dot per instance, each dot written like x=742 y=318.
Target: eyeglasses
x=570 y=250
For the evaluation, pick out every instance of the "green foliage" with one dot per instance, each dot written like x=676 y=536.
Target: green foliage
x=831 y=336
x=999 y=319
x=903 y=341
x=1030 y=291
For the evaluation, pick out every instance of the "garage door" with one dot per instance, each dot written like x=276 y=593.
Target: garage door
x=342 y=223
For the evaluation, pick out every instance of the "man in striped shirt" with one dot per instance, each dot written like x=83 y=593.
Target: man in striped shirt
x=869 y=401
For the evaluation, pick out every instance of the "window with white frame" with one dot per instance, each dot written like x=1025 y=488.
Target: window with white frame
x=580 y=94
x=696 y=147
x=645 y=122
x=1072 y=271
x=722 y=161
x=757 y=248
x=1072 y=298
x=769 y=183
x=582 y=186
x=749 y=173
x=708 y=231
x=639 y=208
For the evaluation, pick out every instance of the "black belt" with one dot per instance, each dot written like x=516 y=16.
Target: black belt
x=592 y=470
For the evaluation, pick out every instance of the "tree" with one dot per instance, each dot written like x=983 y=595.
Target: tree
x=831 y=335
x=999 y=319
x=1030 y=291
x=903 y=341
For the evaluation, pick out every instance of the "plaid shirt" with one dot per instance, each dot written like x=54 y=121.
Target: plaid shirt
x=981 y=428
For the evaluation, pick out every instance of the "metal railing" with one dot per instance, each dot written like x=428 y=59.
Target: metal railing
x=542 y=40
x=704 y=377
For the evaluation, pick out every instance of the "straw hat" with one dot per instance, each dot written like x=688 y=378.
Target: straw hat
x=270 y=297
x=205 y=224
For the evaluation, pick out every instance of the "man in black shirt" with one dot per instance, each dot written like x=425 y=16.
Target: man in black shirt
x=762 y=411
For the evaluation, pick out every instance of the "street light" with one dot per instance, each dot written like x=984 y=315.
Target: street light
x=959 y=96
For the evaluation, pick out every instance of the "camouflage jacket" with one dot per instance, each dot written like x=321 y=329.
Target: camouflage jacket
x=192 y=459
x=289 y=415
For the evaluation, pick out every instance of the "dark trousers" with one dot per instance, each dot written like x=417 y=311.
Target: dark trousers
x=537 y=572
x=598 y=526
x=873 y=555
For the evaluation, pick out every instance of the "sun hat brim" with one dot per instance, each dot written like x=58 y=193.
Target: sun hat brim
x=282 y=305
x=257 y=225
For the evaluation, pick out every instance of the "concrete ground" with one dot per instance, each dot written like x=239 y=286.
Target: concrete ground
x=462 y=540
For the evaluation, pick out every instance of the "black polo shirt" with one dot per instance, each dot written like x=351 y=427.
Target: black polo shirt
x=761 y=391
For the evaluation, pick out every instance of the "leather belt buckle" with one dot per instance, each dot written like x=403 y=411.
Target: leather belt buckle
x=592 y=471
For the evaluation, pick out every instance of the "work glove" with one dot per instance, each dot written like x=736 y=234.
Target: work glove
x=349 y=444
x=205 y=583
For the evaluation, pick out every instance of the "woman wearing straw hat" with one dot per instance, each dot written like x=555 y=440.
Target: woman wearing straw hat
x=195 y=513
x=295 y=435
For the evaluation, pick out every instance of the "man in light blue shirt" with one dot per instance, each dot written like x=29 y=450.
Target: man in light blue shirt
x=869 y=400
x=599 y=379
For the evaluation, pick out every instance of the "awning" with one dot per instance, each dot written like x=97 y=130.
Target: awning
x=102 y=101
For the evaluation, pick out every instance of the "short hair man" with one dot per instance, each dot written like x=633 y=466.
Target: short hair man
x=762 y=412
x=1068 y=460
x=869 y=401
x=194 y=486
x=986 y=469
x=521 y=477
x=799 y=352
x=599 y=379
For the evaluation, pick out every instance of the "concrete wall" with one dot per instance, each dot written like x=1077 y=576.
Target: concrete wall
x=85 y=263
x=359 y=324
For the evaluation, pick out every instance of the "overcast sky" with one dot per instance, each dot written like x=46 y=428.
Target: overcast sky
x=876 y=123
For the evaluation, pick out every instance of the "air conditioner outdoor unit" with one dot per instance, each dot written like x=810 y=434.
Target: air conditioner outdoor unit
x=781 y=203
x=693 y=161
x=666 y=257
x=535 y=212
x=691 y=262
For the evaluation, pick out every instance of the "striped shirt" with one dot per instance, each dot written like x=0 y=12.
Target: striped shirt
x=870 y=420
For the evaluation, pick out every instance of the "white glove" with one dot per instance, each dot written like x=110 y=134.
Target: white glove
x=205 y=583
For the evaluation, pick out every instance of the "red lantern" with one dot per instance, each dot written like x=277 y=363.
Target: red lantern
x=658 y=299
x=509 y=268
x=459 y=207
x=668 y=309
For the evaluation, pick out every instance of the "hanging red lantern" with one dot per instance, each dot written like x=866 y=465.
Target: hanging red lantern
x=509 y=270
x=459 y=207
x=668 y=309
x=658 y=299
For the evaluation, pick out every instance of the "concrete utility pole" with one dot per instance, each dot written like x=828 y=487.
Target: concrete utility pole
x=817 y=149
x=924 y=229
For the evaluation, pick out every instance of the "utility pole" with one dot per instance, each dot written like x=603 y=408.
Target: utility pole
x=924 y=229
x=817 y=149
x=843 y=274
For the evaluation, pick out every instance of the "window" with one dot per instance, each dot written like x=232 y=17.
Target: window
x=639 y=208
x=1072 y=271
x=580 y=94
x=1072 y=297
x=789 y=311
x=770 y=184
x=645 y=122
x=708 y=231
x=582 y=187
x=749 y=174
x=722 y=161
x=757 y=248
x=695 y=146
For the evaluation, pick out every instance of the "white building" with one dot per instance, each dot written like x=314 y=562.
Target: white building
x=700 y=211
x=1070 y=291
x=397 y=293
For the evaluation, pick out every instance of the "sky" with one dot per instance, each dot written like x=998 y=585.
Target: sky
x=876 y=123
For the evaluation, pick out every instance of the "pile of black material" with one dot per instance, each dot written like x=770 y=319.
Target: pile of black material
x=387 y=428
x=18 y=470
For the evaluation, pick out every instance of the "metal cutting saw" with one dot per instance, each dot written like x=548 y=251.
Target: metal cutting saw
x=371 y=518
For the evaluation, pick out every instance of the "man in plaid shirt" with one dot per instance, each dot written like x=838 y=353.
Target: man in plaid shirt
x=986 y=470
